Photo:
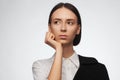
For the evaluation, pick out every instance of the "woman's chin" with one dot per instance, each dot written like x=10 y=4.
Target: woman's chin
x=64 y=42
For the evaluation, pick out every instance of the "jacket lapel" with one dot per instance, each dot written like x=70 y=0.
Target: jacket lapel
x=84 y=61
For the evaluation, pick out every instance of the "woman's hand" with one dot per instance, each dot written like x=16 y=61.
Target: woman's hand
x=50 y=40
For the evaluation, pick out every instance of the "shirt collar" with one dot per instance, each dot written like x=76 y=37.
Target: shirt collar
x=74 y=59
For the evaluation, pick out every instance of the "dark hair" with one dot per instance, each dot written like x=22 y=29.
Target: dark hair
x=75 y=11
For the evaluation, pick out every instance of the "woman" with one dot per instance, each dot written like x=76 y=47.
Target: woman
x=64 y=33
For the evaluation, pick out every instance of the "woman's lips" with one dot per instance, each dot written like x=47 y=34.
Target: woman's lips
x=63 y=36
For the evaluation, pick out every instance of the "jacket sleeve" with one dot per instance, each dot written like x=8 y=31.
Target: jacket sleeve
x=102 y=73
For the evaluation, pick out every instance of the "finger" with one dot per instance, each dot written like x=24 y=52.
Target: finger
x=47 y=36
x=52 y=36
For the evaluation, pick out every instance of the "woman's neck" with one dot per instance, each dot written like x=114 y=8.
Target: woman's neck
x=67 y=50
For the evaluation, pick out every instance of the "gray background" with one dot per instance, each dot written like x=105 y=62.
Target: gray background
x=23 y=24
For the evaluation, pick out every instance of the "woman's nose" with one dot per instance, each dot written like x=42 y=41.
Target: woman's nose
x=63 y=28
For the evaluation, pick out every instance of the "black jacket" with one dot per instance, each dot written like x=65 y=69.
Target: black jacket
x=91 y=69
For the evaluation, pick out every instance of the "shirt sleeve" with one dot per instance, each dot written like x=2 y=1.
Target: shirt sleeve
x=38 y=71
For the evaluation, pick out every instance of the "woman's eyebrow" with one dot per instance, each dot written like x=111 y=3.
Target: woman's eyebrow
x=57 y=19
x=61 y=19
x=70 y=19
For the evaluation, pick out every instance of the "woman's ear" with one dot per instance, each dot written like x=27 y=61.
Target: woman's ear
x=78 y=30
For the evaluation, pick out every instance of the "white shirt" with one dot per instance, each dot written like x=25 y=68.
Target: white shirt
x=41 y=68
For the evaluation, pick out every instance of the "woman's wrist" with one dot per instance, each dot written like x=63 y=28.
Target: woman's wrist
x=58 y=46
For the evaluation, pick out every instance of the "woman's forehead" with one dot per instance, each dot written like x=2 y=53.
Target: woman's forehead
x=63 y=13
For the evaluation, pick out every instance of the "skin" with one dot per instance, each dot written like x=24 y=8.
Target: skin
x=60 y=36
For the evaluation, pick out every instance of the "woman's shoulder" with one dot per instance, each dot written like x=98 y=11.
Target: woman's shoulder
x=91 y=69
x=89 y=60
x=92 y=62
x=43 y=62
x=41 y=68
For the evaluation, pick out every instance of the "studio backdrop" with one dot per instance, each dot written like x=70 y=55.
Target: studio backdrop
x=23 y=24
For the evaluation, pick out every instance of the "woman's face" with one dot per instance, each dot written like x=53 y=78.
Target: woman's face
x=64 y=25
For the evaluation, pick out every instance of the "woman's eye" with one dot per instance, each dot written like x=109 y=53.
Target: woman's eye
x=70 y=23
x=56 y=22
